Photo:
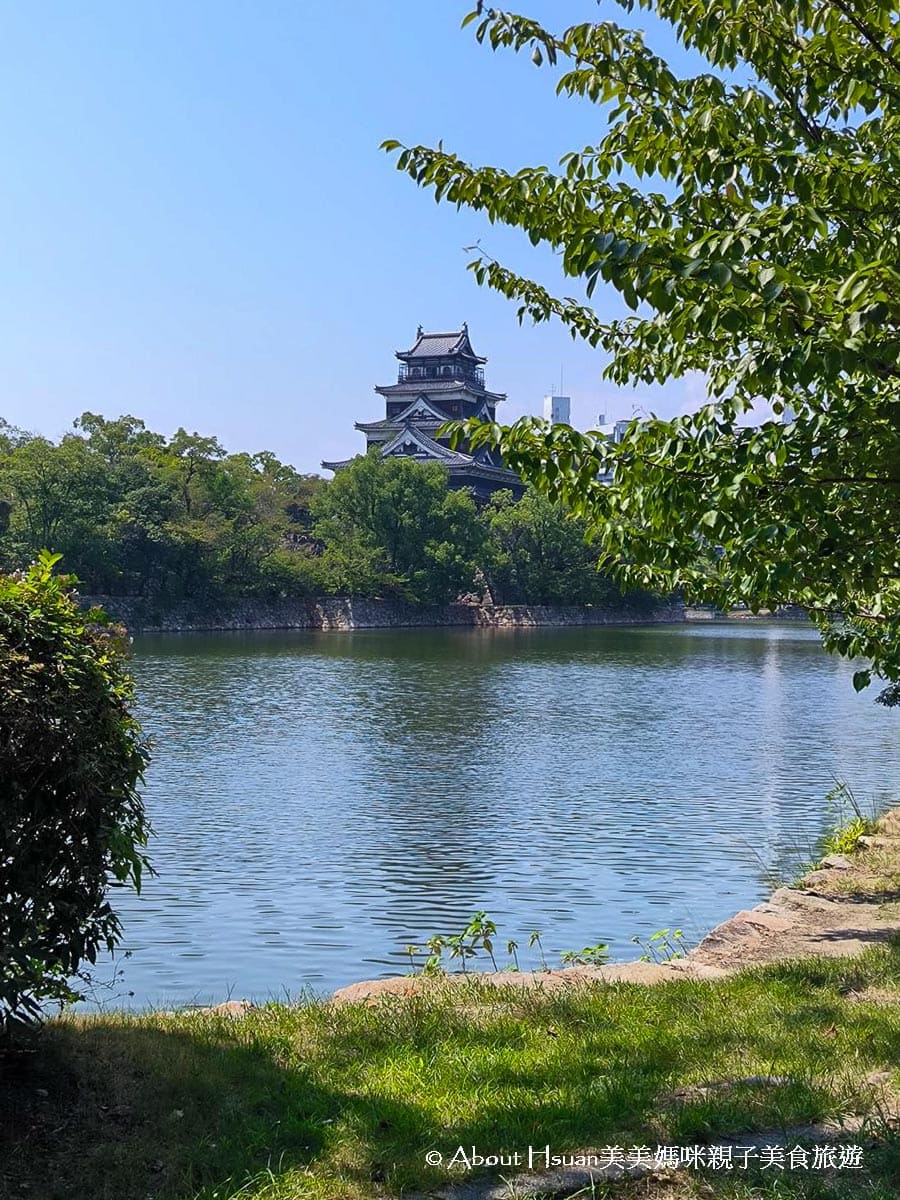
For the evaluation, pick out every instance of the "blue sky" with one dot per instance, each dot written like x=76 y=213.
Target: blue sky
x=198 y=226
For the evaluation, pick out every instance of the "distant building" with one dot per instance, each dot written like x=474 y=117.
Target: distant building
x=441 y=378
x=614 y=430
x=558 y=410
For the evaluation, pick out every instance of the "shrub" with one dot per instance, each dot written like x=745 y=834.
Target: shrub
x=71 y=760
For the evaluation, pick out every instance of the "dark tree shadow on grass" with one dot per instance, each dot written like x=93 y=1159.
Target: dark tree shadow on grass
x=107 y=1111
x=126 y=1110
x=112 y=1110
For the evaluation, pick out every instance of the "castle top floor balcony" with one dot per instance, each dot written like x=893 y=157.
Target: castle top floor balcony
x=448 y=371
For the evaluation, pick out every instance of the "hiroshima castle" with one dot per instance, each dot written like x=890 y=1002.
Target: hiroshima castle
x=441 y=378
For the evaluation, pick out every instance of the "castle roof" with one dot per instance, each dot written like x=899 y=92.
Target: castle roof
x=441 y=345
x=413 y=387
x=419 y=411
x=422 y=446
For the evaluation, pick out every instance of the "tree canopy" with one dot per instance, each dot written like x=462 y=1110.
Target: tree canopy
x=394 y=525
x=747 y=216
x=134 y=513
x=536 y=554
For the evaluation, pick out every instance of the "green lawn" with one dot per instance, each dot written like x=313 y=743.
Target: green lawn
x=326 y=1101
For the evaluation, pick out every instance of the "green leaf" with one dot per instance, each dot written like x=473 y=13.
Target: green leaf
x=861 y=680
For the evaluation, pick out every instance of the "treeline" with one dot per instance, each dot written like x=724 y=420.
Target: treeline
x=134 y=513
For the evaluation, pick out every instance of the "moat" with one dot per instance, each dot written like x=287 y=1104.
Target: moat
x=323 y=800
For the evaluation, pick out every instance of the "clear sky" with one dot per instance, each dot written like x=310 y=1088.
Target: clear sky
x=197 y=225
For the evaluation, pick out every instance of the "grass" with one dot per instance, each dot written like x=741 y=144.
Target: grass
x=875 y=874
x=849 y=823
x=316 y=1100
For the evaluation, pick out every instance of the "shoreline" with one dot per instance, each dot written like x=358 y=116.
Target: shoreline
x=845 y=904
x=343 y=614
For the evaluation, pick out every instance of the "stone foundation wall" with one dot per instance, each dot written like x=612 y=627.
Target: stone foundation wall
x=787 y=612
x=345 y=614
x=526 y=616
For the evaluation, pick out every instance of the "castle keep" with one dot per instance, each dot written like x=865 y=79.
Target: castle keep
x=441 y=378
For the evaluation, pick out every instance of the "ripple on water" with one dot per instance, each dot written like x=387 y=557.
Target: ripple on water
x=320 y=801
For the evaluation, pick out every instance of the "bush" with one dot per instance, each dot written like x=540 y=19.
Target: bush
x=71 y=759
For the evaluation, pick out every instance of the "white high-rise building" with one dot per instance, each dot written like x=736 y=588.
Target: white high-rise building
x=558 y=410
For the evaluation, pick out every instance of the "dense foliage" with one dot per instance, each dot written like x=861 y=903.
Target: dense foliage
x=133 y=513
x=136 y=514
x=533 y=554
x=395 y=524
x=71 y=758
x=747 y=215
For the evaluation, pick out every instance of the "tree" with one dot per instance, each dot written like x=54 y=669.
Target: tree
x=71 y=759
x=92 y=497
x=748 y=218
x=394 y=526
x=536 y=554
x=58 y=492
x=135 y=514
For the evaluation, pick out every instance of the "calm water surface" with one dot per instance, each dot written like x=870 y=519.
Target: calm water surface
x=322 y=800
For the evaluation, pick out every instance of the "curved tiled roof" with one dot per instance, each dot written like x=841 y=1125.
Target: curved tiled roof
x=410 y=435
x=419 y=412
x=439 y=345
x=412 y=387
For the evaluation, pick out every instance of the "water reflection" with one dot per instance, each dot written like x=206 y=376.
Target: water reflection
x=321 y=800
